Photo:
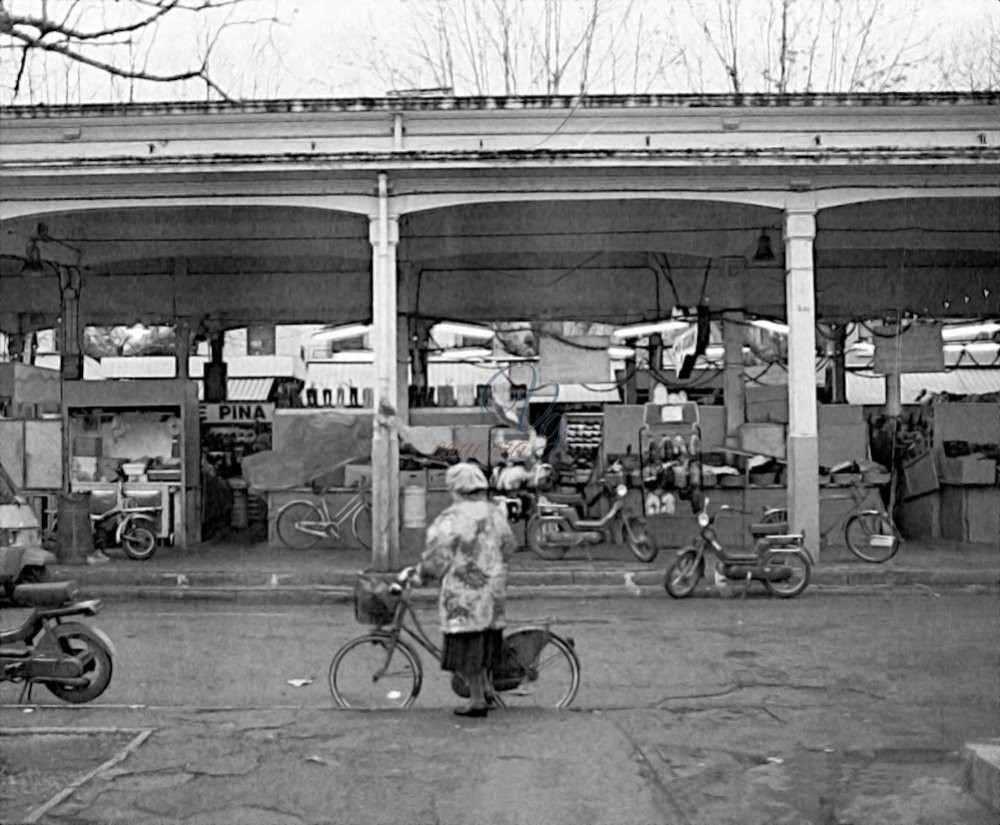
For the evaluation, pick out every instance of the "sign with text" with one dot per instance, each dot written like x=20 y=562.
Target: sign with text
x=236 y=412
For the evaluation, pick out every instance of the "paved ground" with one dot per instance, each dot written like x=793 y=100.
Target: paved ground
x=236 y=570
x=830 y=709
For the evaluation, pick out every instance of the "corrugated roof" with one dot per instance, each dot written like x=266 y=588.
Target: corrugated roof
x=869 y=388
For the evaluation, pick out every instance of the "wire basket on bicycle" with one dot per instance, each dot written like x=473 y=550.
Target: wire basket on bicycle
x=374 y=601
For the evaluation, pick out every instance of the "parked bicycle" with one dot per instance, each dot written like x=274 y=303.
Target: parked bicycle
x=869 y=532
x=302 y=524
x=381 y=669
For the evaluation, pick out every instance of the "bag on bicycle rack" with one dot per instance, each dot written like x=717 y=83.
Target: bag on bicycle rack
x=374 y=603
x=518 y=662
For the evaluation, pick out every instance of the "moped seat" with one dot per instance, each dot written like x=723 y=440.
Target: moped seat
x=49 y=594
x=565 y=498
x=774 y=528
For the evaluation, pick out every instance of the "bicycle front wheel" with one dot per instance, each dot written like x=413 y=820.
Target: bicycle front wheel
x=556 y=677
x=373 y=673
x=361 y=524
x=294 y=522
x=871 y=536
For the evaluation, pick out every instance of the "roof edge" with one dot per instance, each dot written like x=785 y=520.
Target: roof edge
x=524 y=103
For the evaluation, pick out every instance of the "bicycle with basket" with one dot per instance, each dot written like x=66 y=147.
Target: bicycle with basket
x=382 y=669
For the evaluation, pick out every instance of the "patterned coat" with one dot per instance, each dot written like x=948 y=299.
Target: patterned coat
x=468 y=547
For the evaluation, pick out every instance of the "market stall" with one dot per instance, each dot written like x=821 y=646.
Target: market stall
x=146 y=430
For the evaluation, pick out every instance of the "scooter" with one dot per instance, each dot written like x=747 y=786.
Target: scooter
x=72 y=660
x=556 y=526
x=128 y=525
x=778 y=559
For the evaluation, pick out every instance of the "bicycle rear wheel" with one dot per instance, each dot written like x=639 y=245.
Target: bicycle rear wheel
x=871 y=536
x=352 y=677
x=302 y=513
x=555 y=678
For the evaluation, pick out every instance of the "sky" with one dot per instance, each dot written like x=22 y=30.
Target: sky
x=330 y=48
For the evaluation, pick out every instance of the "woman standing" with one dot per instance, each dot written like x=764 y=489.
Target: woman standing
x=468 y=547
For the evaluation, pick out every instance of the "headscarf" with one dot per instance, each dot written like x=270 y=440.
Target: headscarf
x=465 y=478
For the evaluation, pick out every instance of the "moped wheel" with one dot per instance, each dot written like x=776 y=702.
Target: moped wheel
x=79 y=640
x=138 y=542
x=683 y=574
x=298 y=512
x=539 y=534
x=554 y=678
x=352 y=678
x=871 y=536
x=787 y=573
x=638 y=540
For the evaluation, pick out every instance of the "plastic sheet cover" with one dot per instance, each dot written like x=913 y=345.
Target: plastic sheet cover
x=316 y=445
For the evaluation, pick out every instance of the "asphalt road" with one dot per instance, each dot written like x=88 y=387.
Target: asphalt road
x=822 y=709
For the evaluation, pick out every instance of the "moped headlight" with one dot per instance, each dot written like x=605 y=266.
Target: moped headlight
x=703 y=519
x=621 y=490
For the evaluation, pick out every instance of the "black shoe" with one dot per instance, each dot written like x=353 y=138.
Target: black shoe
x=492 y=701
x=473 y=710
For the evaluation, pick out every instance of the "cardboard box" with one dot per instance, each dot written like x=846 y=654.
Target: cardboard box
x=919 y=477
x=968 y=469
x=842 y=442
x=766 y=404
x=412 y=478
x=358 y=475
x=970 y=514
x=921 y=518
x=88 y=445
x=435 y=479
x=765 y=439
x=840 y=414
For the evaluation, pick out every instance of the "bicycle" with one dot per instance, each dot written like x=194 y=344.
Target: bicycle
x=301 y=524
x=382 y=670
x=870 y=534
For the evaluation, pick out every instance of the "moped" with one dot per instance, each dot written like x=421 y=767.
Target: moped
x=778 y=558
x=72 y=660
x=557 y=525
x=127 y=524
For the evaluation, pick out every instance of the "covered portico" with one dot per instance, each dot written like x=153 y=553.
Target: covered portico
x=616 y=209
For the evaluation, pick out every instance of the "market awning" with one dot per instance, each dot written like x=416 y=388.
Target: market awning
x=243 y=389
x=869 y=388
x=579 y=394
x=248 y=389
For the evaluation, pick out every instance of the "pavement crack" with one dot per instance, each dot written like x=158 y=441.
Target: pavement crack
x=661 y=793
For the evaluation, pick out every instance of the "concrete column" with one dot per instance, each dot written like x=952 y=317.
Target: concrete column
x=803 y=444
x=839 y=364
x=71 y=326
x=732 y=375
x=384 y=237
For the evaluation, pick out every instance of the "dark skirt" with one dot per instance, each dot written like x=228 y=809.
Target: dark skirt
x=472 y=652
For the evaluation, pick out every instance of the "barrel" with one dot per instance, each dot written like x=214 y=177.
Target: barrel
x=73 y=530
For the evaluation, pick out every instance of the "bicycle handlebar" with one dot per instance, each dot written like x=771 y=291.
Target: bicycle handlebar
x=404 y=580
